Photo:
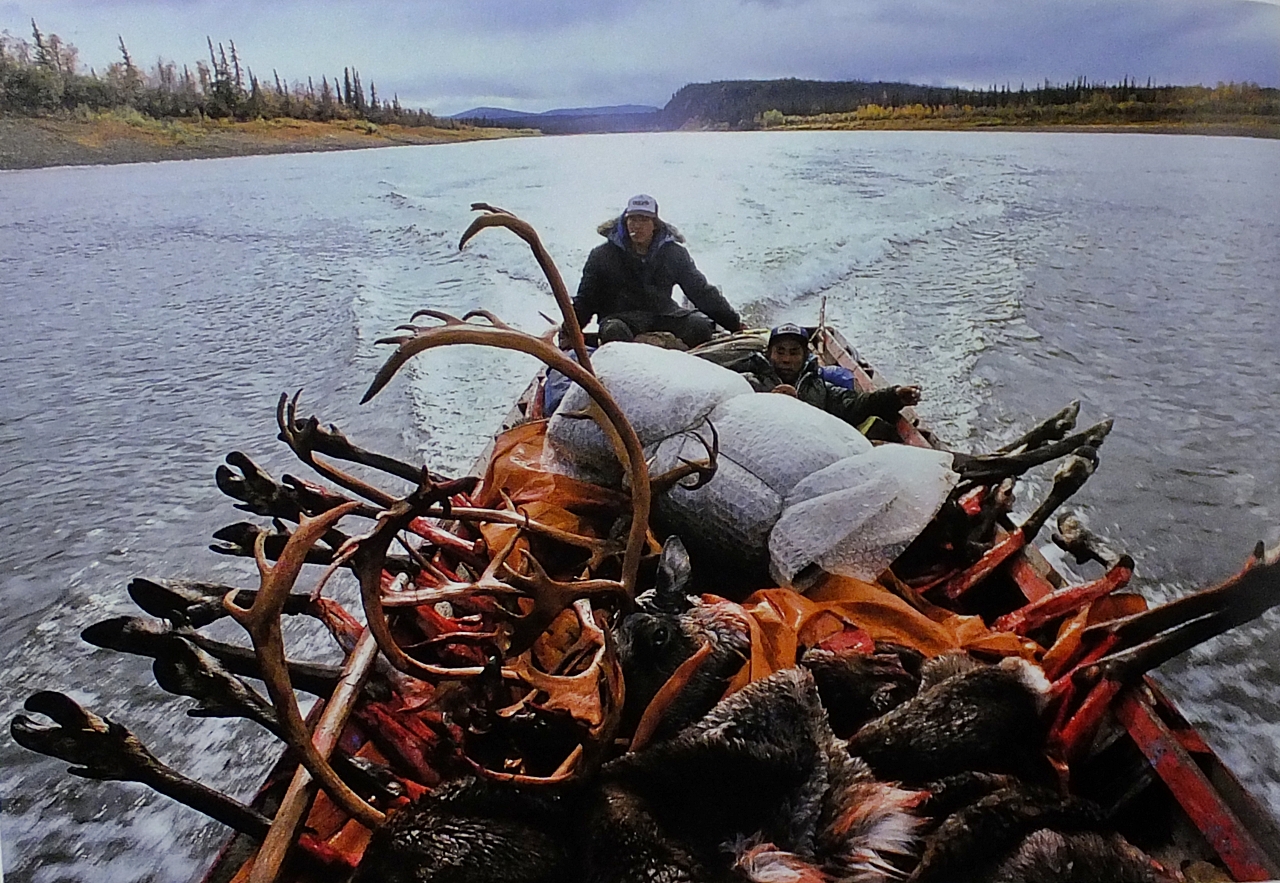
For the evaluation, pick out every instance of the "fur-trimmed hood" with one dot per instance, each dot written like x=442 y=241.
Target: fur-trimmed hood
x=615 y=230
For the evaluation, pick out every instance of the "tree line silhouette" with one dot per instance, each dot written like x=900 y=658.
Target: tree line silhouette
x=43 y=77
x=747 y=104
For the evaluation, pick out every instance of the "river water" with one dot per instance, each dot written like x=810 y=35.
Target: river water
x=152 y=315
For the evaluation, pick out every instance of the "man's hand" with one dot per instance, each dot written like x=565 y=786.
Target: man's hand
x=785 y=389
x=908 y=395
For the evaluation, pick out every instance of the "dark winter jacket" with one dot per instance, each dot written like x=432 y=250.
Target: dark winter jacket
x=850 y=405
x=617 y=280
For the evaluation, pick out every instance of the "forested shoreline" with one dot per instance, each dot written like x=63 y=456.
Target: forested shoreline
x=43 y=76
x=57 y=112
x=746 y=104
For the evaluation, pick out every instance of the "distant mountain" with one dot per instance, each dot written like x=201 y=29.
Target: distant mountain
x=489 y=113
x=615 y=110
x=502 y=113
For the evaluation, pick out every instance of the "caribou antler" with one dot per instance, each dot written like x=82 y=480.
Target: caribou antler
x=593 y=696
x=262 y=622
x=368 y=558
x=304 y=437
x=455 y=331
x=704 y=470
x=550 y=597
x=496 y=217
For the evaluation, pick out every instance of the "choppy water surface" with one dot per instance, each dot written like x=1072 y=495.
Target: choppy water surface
x=153 y=314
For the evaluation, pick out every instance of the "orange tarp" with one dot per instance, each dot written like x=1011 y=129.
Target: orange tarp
x=516 y=469
x=783 y=622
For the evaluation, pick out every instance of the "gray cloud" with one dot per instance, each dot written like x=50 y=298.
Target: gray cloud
x=448 y=55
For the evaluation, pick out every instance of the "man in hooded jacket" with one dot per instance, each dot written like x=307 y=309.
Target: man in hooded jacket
x=627 y=282
x=789 y=368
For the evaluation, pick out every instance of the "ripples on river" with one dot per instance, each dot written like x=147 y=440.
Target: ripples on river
x=154 y=313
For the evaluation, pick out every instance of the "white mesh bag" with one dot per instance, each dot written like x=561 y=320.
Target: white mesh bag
x=780 y=439
x=730 y=516
x=661 y=392
x=856 y=516
x=767 y=444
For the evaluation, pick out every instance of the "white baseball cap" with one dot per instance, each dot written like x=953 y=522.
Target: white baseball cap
x=642 y=204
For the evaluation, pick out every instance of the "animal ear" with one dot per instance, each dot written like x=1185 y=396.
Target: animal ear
x=674 y=570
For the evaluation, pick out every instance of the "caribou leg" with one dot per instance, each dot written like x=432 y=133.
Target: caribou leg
x=1067 y=479
x=144 y=637
x=189 y=671
x=100 y=748
x=1078 y=541
x=197 y=604
x=1171 y=629
x=1127 y=648
x=1049 y=430
x=990 y=468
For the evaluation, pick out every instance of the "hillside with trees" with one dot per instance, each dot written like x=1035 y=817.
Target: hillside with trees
x=753 y=104
x=44 y=77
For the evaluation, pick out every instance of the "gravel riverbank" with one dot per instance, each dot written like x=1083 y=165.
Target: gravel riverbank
x=31 y=143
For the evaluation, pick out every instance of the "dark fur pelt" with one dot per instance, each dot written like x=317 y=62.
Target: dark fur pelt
x=624 y=844
x=985 y=719
x=764 y=767
x=856 y=687
x=1028 y=833
x=474 y=831
x=1053 y=857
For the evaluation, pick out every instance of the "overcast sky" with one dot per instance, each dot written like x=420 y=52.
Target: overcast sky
x=451 y=55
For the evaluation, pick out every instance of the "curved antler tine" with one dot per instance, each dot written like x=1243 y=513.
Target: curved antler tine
x=485 y=207
x=446 y=318
x=715 y=441
x=283 y=420
x=497 y=219
x=523 y=229
x=703 y=470
x=398 y=339
x=370 y=554
x=485 y=314
x=563 y=773
x=502 y=338
x=712 y=449
x=262 y=621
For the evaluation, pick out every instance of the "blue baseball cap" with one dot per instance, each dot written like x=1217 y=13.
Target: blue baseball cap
x=788 y=330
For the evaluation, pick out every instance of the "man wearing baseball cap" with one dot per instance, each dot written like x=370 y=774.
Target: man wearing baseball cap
x=793 y=370
x=628 y=279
